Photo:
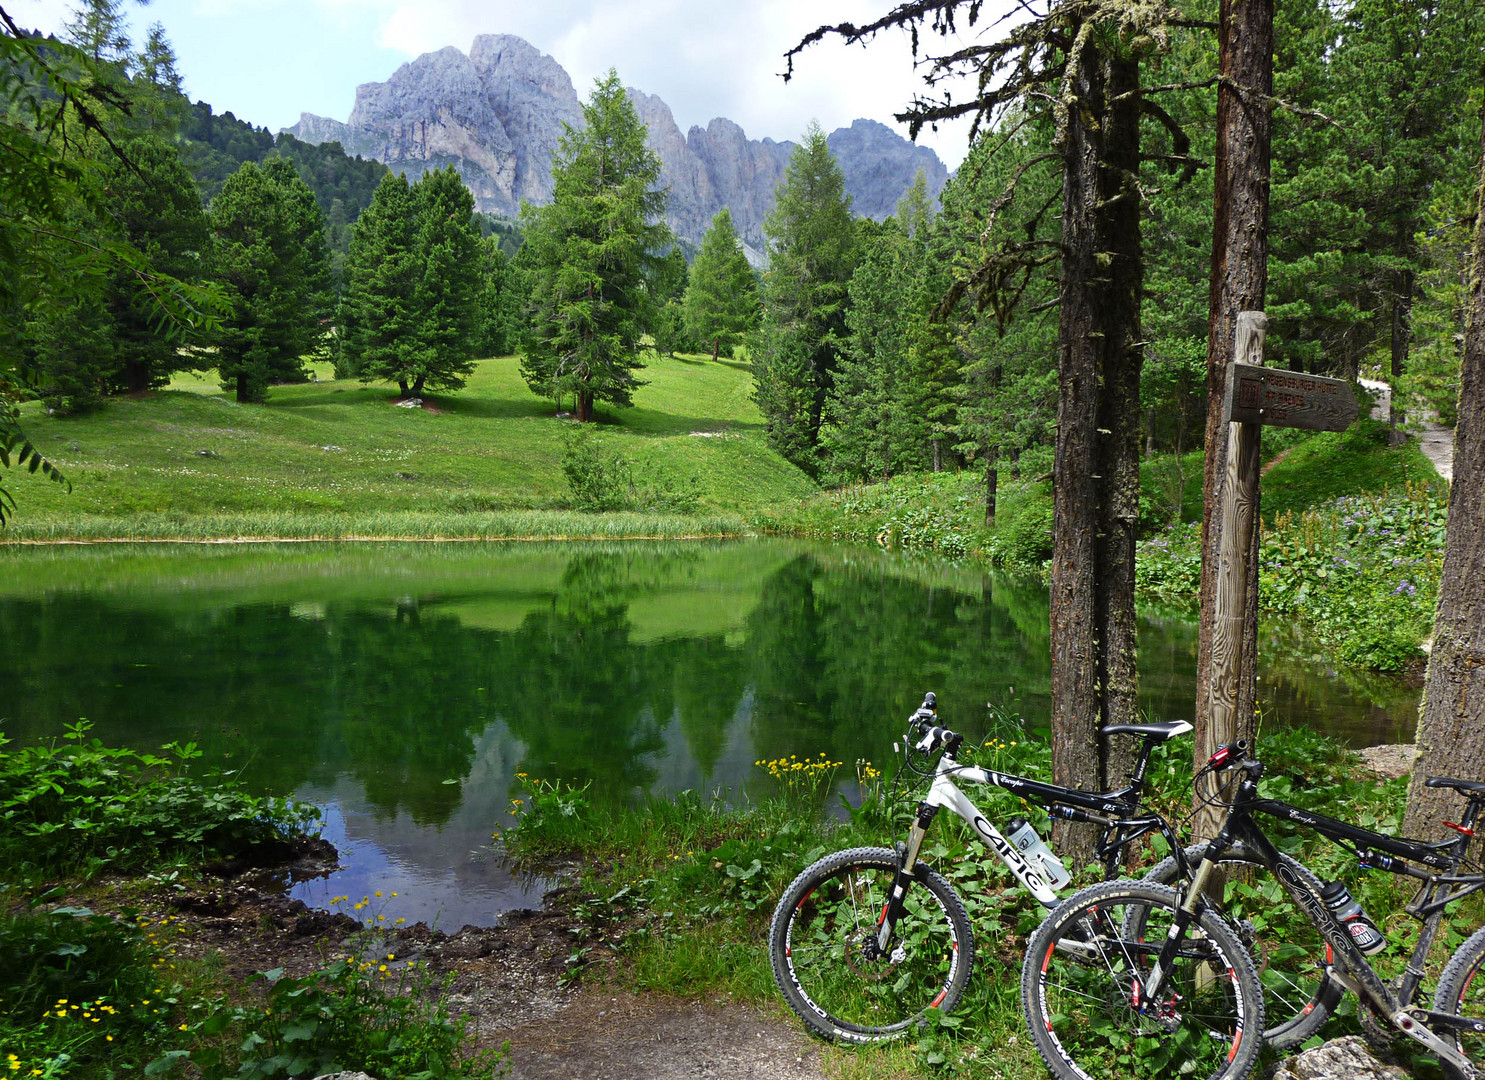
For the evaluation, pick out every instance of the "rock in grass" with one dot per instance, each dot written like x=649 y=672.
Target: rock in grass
x=1341 y=1059
x=1390 y=761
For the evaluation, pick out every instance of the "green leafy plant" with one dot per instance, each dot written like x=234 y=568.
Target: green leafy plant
x=85 y=805
x=362 y=1011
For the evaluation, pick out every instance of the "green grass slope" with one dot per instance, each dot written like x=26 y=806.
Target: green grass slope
x=339 y=459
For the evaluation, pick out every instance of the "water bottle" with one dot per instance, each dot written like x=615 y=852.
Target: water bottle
x=1030 y=845
x=1348 y=913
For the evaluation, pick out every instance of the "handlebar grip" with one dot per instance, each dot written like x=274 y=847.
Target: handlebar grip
x=930 y=701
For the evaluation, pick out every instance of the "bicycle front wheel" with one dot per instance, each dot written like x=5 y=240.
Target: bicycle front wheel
x=1290 y=954
x=1460 y=993
x=1084 y=993
x=825 y=958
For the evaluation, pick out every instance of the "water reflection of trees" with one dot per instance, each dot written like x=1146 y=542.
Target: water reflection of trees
x=749 y=651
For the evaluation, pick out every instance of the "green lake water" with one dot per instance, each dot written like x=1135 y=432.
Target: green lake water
x=402 y=687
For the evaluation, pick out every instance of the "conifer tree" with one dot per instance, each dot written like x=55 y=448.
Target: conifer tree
x=271 y=260
x=811 y=258
x=498 y=304
x=862 y=435
x=588 y=256
x=668 y=285
x=376 y=323
x=446 y=294
x=721 y=304
x=156 y=207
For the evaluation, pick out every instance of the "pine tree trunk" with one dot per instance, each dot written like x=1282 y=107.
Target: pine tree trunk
x=716 y=347
x=937 y=460
x=1119 y=418
x=402 y=388
x=137 y=377
x=1402 y=317
x=1451 y=725
x=1096 y=472
x=243 y=395
x=417 y=387
x=992 y=481
x=1239 y=280
x=584 y=406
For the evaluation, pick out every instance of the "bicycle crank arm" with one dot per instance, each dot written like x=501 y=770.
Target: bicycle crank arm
x=1409 y=1025
x=1449 y=1021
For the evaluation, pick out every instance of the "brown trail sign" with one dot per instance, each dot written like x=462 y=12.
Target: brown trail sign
x=1256 y=397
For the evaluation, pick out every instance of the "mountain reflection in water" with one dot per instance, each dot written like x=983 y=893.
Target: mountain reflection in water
x=405 y=686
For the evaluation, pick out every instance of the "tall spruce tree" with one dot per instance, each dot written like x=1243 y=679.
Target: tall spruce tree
x=864 y=432
x=446 y=294
x=376 y=322
x=721 y=304
x=588 y=256
x=156 y=207
x=812 y=255
x=271 y=260
x=499 y=309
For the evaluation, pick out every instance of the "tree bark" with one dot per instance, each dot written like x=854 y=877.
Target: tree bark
x=402 y=388
x=1238 y=282
x=1402 y=333
x=1096 y=470
x=243 y=396
x=992 y=482
x=1451 y=725
x=584 y=406
x=417 y=387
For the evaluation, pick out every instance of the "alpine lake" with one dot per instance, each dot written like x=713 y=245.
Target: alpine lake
x=404 y=687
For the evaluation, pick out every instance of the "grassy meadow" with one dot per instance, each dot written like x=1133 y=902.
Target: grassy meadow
x=339 y=459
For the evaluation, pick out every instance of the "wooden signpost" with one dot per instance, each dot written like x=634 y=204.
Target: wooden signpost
x=1256 y=397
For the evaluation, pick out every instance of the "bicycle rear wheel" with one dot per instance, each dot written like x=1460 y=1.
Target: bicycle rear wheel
x=1083 y=990
x=1461 y=993
x=822 y=943
x=1298 y=995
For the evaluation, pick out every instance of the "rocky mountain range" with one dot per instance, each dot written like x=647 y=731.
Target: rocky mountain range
x=497 y=113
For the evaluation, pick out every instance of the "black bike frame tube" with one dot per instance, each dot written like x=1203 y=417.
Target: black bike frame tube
x=1441 y=856
x=1036 y=791
x=1353 y=961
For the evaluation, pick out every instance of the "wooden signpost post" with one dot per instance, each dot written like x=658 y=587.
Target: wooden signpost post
x=1256 y=397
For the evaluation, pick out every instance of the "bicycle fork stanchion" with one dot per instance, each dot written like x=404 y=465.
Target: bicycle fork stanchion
x=908 y=859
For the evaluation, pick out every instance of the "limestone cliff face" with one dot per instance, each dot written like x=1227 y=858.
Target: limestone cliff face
x=497 y=114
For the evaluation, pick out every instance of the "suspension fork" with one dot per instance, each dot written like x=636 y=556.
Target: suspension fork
x=1185 y=914
x=907 y=859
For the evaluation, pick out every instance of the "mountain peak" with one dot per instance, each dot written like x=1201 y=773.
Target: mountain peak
x=497 y=114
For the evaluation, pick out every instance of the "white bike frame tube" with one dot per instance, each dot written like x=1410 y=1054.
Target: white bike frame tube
x=945 y=795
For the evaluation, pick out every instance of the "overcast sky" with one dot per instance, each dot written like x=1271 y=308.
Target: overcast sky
x=269 y=60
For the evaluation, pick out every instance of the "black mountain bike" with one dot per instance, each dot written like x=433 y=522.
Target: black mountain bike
x=1139 y=979
x=865 y=941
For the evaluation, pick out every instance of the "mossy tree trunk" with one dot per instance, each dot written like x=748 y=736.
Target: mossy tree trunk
x=1096 y=472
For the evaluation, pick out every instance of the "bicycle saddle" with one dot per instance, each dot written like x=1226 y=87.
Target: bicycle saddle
x=1167 y=730
x=1462 y=786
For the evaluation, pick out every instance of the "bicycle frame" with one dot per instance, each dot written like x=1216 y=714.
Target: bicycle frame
x=1120 y=829
x=1349 y=965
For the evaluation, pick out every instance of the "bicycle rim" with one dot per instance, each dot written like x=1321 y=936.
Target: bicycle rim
x=1084 y=979
x=1289 y=953
x=835 y=977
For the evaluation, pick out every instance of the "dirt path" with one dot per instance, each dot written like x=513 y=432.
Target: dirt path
x=1436 y=442
x=506 y=981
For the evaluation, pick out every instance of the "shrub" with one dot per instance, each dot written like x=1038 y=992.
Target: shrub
x=85 y=805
